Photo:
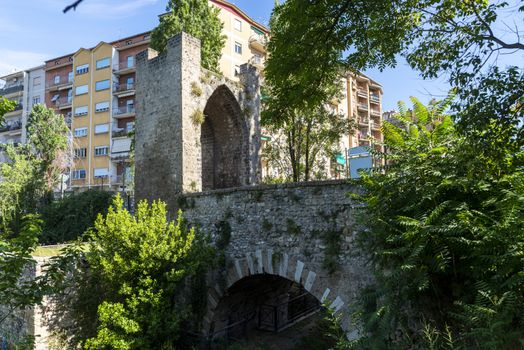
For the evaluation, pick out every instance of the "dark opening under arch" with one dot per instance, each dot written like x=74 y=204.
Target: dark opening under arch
x=223 y=140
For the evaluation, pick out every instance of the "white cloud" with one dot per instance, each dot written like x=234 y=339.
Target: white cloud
x=12 y=60
x=103 y=9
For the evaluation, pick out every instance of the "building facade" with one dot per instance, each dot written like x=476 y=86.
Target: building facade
x=95 y=91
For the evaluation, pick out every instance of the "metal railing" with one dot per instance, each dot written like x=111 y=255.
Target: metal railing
x=375 y=112
x=120 y=132
x=261 y=39
x=362 y=93
x=59 y=83
x=10 y=127
x=123 y=87
x=6 y=90
x=63 y=101
x=124 y=65
x=124 y=110
x=375 y=98
x=363 y=106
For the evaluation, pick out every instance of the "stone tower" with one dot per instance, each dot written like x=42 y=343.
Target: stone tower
x=195 y=130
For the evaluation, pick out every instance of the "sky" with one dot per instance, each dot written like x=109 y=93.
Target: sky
x=32 y=31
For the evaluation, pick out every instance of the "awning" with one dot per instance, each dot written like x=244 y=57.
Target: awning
x=121 y=146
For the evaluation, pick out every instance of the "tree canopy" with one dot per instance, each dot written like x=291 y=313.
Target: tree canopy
x=195 y=17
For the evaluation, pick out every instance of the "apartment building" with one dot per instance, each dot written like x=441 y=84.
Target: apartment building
x=12 y=129
x=94 y=89
x=365 y=108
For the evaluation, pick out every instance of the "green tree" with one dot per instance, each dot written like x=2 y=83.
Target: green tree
x=16 y=293
x=461 y=40
x=303 y=143
x=47 y=138
x=5 y=106
x=446 y=237
x=197 y=18
x=138 y=267
x=306 y=132
x=68 y=218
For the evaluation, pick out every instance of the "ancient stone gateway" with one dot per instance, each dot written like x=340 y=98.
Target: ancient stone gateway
x=281 y=242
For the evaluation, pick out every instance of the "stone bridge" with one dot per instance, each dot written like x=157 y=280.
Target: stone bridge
x=197 y=148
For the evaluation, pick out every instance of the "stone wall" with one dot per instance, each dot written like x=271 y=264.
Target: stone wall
x=175 y=150
x=303 y=232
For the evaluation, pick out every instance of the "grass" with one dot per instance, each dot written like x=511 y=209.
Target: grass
x=48 y=251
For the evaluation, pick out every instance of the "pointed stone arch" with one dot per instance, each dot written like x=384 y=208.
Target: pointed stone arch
x=224 y=142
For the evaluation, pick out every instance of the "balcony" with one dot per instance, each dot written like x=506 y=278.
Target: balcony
x=120 y=132
x=362 y=93
x=17 y=110
x=11 y=89
x=374 y=98
x=59 y=85
x=123 y=90
x=63 y=102
x=362 y=107
x=13 y=128
x=258 y=42
x=257 y=61
x=375 y=125
x=363 y=121
x=375 y=112
x=124 y=68
x=124 y=112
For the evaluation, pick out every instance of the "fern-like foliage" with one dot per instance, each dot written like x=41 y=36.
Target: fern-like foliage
x=445 y=235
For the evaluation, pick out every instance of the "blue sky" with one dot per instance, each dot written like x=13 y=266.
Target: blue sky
x=32 y=31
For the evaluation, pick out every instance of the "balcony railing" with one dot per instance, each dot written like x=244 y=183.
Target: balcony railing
x=124 y=66
x=52 y=85
x=363 y=121
x=362 y=106
x=120 y=88
x=258 y=42
x=63 y=102
x=9 y=89
x=375 y=125
x=362 y=93
x=375 y=98
x=10 y=127
x=375 y=112
x=120 y=132
x=130 y=109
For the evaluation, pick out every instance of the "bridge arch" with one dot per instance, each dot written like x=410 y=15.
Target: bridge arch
x=264 y=265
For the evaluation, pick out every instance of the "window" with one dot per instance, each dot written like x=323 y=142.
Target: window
x=130 y=106
x=55 y=98
x=102 y=85
x=82 y=69
x=36 y=81
x=103 y=63
x=130 y=126
x=130 y=82
x=130 y=61
x=238 y=25
x=36 y=100
x=80 y=132
x=237 y=69
x=69 y=95
x=101 y=172
x=80 y=152
x=80 y=90
x=79 y=174
x=101 y=128
x=57 y=79
x=238 y=48
x=102 y=107
x=70 y=77
x=80 y=111
x=101 y=151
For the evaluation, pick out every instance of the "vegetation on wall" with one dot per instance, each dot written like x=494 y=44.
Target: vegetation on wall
x=67 y=219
